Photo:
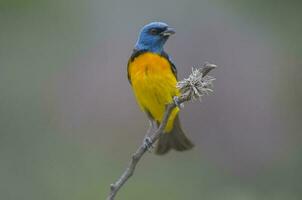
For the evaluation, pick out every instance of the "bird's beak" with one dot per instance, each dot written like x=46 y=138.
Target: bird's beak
x=168 y=32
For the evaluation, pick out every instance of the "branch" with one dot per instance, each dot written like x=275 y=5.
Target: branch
x=194 y=87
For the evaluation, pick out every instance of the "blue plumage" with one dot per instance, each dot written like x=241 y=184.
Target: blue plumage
x=153 y=36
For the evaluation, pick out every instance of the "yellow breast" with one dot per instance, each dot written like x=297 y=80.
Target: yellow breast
x=154 y=84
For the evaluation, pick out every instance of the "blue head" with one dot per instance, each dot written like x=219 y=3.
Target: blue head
x=153 y=36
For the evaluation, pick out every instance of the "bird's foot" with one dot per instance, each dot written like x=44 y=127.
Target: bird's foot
x=176 y=101
x=148 y=143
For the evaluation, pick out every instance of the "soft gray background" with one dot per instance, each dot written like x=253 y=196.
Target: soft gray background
x=69 y=121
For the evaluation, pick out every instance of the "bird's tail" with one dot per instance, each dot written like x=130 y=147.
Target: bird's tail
x=176 y=139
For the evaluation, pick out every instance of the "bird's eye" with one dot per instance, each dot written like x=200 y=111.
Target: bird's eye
x=153 y=31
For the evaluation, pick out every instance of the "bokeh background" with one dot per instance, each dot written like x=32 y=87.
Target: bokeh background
x=69 y=121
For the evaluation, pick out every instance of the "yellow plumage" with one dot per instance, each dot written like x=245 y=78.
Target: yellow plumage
x=154 y=85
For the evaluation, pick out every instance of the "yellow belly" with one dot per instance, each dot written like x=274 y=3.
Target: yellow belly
x=154 y=85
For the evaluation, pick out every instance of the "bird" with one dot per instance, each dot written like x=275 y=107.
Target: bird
x=153 y=78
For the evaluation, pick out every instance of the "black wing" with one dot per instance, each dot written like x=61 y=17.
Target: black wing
x=134 y=54
x=173 y=68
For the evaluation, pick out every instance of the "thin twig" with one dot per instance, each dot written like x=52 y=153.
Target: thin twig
x=202 y=85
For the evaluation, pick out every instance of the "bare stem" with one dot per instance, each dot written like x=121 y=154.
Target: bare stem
x=156 y=132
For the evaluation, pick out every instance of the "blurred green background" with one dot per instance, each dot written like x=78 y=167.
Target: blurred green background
x=69 y=121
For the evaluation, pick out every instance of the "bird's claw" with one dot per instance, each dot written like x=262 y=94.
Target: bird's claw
x=176 y=101
x=148 y=143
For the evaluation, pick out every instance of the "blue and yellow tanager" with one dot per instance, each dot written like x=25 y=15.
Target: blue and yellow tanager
x=153 y=78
